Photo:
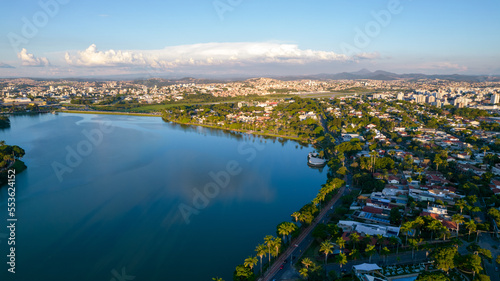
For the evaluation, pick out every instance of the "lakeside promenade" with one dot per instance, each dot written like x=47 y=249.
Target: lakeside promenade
x=277 y=263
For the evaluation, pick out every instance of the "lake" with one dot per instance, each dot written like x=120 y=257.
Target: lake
x=109 y=197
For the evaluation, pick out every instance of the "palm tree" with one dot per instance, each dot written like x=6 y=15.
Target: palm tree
x=276 y=245
x=395 y=240
x=414 y=244
x=438 y=161
x=283 y=229
x=354 y=239
x=269 y=244
x=445 y=232
x=433 y=226
x=307 y=262
x=326 y=248
x=471 y=226
x=296 y=215
x=303 y=273
x=385 y=252
x=370 y=250
x=291 y=227
x=250 y=262
x=458 y=219
x=341 y=259
x=217 y=279
x=485 y=148
x=380 y=241
x=406 y=228
x=354 y=254
x=261 y=251
x=461 y=204
x=373 y=157
x=341 y=243
x=417 y=225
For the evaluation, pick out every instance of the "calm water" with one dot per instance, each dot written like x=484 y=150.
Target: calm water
x=87 y=211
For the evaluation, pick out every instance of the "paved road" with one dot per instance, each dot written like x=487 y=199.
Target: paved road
x=302 y=241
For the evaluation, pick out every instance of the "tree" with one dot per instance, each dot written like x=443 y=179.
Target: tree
x=433 y=276
x=307 y=262
x=242 y=273
x=461 y=204
x=370 y=250
x=296 y=215
x=471 y=226
x=341 y=243
x=433 y=226
x=444 y=258
x=438 y=161
x=483 y=277
x=354 y=239
x=471 y=262
x=354 y=254
x=414 y=244
x=250 y=262
x=395 y=240
x=304 y=272
x=261 y=251
x=285 y=228
x=282 y=229
x=326 y=248
x=458 y=219
x=269 y=244
x=380 y=240
x=276 y=246
x=217 y=279
x=406 y=228
x=385 y=252
x=341 y=259
x=395 y=216
x=485 y=148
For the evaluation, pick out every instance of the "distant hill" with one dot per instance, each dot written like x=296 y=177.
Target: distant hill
x=388 y=76
x=149 y=79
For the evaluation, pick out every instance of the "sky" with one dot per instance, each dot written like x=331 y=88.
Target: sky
x=210 y=38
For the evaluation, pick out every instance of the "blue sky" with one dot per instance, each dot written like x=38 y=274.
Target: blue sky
x=249 y=37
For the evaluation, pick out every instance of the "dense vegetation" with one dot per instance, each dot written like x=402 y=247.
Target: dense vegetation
x=4 y=122
x=10 y=159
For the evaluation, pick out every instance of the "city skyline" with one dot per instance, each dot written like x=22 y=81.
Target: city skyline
x=63 y=38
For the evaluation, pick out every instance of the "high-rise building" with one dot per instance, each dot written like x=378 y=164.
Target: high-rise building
x=400 y=96
x=495 y=98
x=431 y=99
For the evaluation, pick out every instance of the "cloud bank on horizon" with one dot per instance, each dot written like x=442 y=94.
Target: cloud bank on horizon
x=215 y=58
x=205 y=54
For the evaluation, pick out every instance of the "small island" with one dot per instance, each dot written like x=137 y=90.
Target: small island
x=10 y=159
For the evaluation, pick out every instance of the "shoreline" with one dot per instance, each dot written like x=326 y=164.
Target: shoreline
x=109 y=113
x=180 y=123
x=242 y=131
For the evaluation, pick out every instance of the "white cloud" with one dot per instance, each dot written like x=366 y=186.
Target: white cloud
x=367 y=56
x=30 y=60
x=203 y=54
x=442 y=66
